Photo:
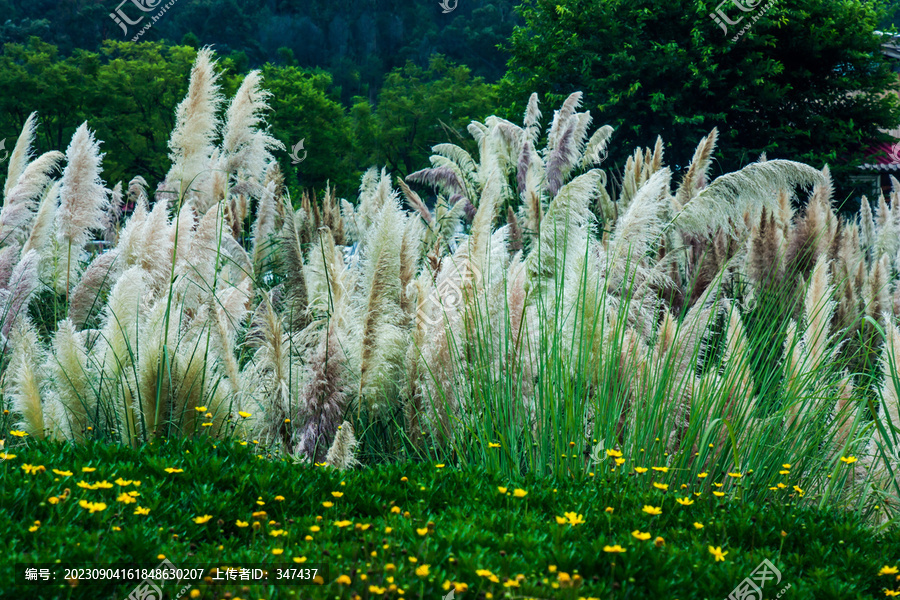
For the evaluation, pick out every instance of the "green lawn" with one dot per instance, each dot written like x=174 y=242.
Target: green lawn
x=419 y=530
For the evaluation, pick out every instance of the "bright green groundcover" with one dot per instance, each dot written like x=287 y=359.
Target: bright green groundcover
x=412 y=531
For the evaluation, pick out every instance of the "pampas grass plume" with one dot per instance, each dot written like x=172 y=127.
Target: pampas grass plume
x=83 y=198
x=342 y=454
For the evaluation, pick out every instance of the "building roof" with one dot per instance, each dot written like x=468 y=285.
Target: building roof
x=890 y=47
x=884 y=157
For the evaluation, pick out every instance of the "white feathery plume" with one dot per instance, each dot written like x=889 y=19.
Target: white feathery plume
x=819 y=309
x=20 y=155
x=23 y=197
x=380 y=338
x=695 y=179
x=323 y=397
x=721 y=205
x=83 y=198
x=196 y=126
x=636 y=229
x=87 y=294
x=533 y=119
x=561 y=120
x=9 y=258
x=230 y=309
x=263 y=229
x=69 y=370
x=23 y=283
x=24 y=379
x=122 y=317
x=866 y=227
x=595 y=151
x=342 y=454
x=890 y=392
x=272 y=374
x=41 y=237
x=873 y=459
x=462 y=160
x=565 y=229
x=17 y=215
x=247 y=146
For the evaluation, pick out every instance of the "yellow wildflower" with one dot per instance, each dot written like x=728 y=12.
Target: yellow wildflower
x=92 y=507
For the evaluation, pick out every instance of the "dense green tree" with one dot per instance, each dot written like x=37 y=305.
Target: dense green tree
x=128 y=93
x=800 y=84
x=303 y=109
x=357 y=41
x=418 y=108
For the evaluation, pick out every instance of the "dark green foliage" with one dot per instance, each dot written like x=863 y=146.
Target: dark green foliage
x=128 y=93
x=420 y=108
x=357 y=41
x=788 y=87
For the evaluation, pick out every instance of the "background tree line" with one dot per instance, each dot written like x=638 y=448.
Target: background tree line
x=128 y=92
x=378 y=83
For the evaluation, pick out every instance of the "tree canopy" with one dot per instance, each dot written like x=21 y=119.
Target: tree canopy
x=129 y=90
x=799 y=84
